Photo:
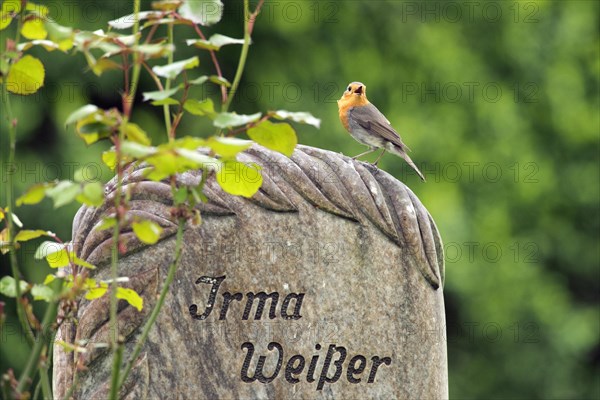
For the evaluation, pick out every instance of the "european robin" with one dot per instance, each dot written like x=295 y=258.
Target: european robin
x=369 y=126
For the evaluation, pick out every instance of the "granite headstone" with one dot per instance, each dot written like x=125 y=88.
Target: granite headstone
x=325 y=284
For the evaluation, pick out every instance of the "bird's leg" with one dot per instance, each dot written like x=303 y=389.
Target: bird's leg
x=379 y=158
x=371 y=149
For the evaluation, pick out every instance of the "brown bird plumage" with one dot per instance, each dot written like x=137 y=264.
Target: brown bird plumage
x=369 y=126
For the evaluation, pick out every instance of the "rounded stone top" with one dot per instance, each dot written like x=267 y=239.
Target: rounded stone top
x=310 y=178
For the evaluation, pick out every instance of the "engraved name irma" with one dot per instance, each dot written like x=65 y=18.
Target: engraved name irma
x=262 y=297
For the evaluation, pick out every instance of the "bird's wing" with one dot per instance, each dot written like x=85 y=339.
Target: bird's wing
x=371 y=119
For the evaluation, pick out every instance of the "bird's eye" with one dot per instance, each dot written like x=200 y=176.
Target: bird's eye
x=349 y=88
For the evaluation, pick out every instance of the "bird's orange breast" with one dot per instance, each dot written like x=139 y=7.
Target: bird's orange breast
x=346 y=103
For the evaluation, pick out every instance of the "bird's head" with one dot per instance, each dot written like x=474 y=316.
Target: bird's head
x=354 y=95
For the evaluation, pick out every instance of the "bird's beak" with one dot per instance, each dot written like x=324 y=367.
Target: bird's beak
x=359 y=91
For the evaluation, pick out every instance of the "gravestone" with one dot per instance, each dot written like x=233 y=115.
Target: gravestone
x=325 y=284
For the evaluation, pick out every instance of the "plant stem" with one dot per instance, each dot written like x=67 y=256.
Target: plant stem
x=156 y=310
x=34 y=356
x=179 y=114
x=114 y=273
x=243 y=56
x=166 y=107
x=12 y=134
x=72 y=387
x=114 y=388
x=136 y=56
x=153 y=76
x=215 y=61
x=44 y=380
x=36 y=392
x=114 y=270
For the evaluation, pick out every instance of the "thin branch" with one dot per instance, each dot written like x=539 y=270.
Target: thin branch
x=161 y=299
x=12 y=137
x=166 y=107
x=44 y=380
x=253 y=16
x=215 y=61
x=248 y=25
x=34 y=356
x=135 y=75
x=117 y=348
x=151 y=33
x=179 y=115
x=244 y=128
x=153 y=76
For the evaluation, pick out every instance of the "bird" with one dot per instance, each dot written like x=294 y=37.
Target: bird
x=369 y=126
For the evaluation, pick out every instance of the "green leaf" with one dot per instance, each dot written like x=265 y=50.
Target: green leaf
x=96 y=290
x=154 y=50
x=70 y=347
x=96 y=126
x=219 y=80
x=147 y=231
x=27 y=234
x=6 y=244
x=46 y=44
x=189 y=142
x=228 y=120
x=166 y=5
x=58 y=259
x=8 y=287
x=199 y=80
x=239 y=179
x=37 y=9
x=160 y=94
x=63 y=193
x=78 y=175
x=92 y=194
x=130 y=296
x=5 y=19
x=33 y=195
x=80 y=262
x=177 y=157
x=34 y=29
x=199 y=107
x=137 y=150
x=106 y=223
x=102 y=65
x=180 y=195
x=301 y=117
x=228 y=147
x=80 y=113
x=42 y=292
x=127 y=21
x=109 y=158
x=62 y=35
x=134 y=133
x=215 y=42
x=203 y=12
x=11 y=6
x=26 y=76
x=171 y=71
x=16 y=220
x=168 y=101
x=63 y=257
x=198 y=159
x=279 y=137
x=47 y=248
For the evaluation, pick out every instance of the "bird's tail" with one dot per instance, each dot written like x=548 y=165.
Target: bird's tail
x=400 y=151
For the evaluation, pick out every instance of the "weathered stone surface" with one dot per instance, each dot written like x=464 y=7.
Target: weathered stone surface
x=355 y=261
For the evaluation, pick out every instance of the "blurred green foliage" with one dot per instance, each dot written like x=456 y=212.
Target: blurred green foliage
x=499 y=102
